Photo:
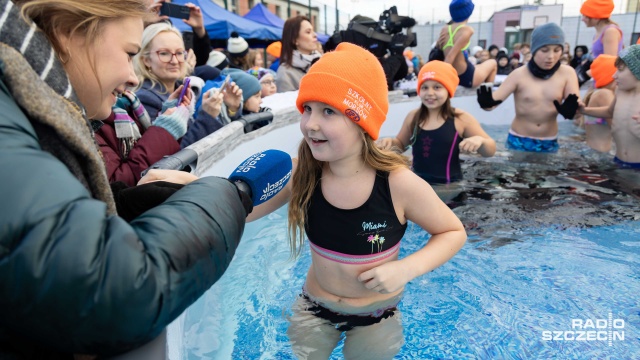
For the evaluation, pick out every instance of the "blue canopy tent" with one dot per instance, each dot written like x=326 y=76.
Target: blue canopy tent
x=220 y=23
x=262 y=15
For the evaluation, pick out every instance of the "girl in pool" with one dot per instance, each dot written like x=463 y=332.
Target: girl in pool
x=437 y=131
x=353 y=201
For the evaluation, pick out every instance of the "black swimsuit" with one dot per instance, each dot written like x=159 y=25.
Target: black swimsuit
x=368 y=233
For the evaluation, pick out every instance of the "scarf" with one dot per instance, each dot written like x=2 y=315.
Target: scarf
x=39 y=85
x=126 y=109
x=302 y=61
x=542 y=73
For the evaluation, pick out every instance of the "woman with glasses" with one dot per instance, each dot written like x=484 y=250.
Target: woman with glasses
x=161 y=67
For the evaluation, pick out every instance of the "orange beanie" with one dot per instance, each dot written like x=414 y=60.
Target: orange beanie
x=351 y=80
x=274 y=49
x=441 y=72
x=602 y=69
x=597 y=9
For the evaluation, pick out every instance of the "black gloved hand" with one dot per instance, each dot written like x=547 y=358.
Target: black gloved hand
x=568 y=107
x=132 y=201
x=485 y=97
x=245 y=198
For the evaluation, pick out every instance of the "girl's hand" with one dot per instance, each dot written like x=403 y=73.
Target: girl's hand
x=385 y=143
x=471 y=144
x=172 y=176
x=232 y=96
x=212 y=102
x=386 y=278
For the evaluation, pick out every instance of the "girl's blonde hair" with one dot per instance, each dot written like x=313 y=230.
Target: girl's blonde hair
x=144 y=73
x=309 y=172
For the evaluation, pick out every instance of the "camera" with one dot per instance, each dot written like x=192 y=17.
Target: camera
x=379 y=37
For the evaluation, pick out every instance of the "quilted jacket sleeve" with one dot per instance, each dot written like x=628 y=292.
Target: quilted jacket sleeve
x=80 y=281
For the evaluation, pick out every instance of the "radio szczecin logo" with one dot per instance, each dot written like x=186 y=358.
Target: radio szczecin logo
x=608 y=330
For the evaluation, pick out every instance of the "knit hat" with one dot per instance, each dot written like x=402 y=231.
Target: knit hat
x=597 y=9
x=461 y=10
x=237 y=46
x=602 y=69
x=274 y=49
x=441 y=72
x=218 y=59
x=249 y=84
x=260 y=73
x=475 y=50
x=351 y=80
x=547 y=34
x=631 y=58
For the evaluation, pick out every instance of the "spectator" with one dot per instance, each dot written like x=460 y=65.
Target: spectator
x=504 y=68
x=579 y=57
x=75 y=278
x=493 y=51
x=514 y=61
x=299 y=51
x=608 y=37
x=218 y=60
x=267 y=78
x=248 y=86
x=238 y=52
x=474 y=54
x=160 y=66
x=273 y=55
x=255 y=59
x=130 y=144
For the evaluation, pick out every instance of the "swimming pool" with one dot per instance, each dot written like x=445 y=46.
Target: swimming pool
x=553 y=253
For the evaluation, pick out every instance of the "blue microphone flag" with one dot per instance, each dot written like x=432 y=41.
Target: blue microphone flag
x=265 y=173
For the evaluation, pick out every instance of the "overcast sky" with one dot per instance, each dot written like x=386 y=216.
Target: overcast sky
x=425 y=10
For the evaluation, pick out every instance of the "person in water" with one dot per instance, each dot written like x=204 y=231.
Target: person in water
x=543 y=82
x=437 y=132
x=353 y=201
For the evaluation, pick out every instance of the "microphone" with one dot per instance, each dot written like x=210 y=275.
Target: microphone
x=263 y=175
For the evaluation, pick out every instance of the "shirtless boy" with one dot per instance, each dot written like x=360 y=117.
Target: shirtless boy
x=624 y=109
x=543 y=82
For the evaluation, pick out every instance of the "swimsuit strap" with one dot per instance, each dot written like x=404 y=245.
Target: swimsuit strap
x=451 y=35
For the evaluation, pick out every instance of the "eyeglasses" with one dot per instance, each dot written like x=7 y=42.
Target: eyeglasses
x=268 y=82
x=166 y=55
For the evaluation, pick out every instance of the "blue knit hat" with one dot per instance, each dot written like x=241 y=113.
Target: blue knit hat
x=631 y=58
x=248 y=83
x=461 y=10
x=547 y=34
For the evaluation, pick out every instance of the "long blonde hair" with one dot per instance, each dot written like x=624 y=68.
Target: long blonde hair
x=143 y=73
x=307 y=177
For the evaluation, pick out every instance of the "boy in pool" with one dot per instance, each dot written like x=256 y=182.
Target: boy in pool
x=535 y=87
x=353 y=201
x=624 y=109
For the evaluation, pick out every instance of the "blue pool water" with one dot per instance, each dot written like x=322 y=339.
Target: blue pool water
x=552 y=240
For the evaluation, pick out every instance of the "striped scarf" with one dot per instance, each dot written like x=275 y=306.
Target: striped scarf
x=126 y=109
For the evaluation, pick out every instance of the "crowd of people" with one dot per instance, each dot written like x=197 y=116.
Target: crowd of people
x=98 y=259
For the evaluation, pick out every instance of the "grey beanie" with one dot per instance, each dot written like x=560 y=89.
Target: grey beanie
x=547 y=34
x=631 y=58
